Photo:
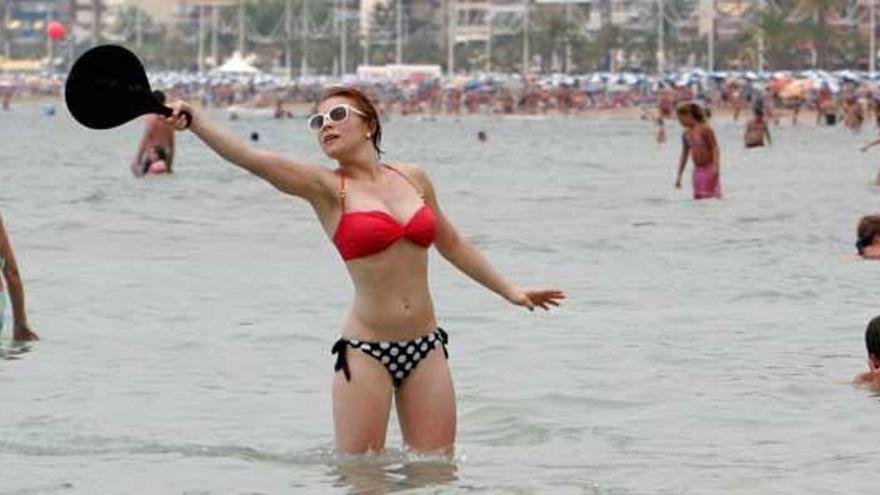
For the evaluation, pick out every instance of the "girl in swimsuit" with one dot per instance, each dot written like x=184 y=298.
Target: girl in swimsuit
x=757 y=130
x=382 y=219
x=20 y=329
x=698 y=142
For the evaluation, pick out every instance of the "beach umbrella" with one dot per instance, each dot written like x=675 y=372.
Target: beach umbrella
x=628 y=78
x=236 y=65
x=849 y=76
x=776 y=85
x=796 y=88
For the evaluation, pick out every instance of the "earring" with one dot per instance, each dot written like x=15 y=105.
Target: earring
x=369 y=135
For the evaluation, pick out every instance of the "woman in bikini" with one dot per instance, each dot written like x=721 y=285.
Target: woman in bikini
x=698 y=142
x=20 y=329
x=382 y=219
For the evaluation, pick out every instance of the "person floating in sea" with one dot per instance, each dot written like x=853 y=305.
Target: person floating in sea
x=756 y=130
x=6 y=96
x=868 y=237
x=854 y=114
x=280 y=112
x=9 y=268
x=699 y=143
x=382 y=218
x=659 y=124
x=157 y=145
x=871 y=378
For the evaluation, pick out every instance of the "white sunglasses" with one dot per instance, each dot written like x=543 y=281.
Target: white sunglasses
x=335 y=115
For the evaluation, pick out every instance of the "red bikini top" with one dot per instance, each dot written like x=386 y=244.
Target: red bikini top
x=365 y=233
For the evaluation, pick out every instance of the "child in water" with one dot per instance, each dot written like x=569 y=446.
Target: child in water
x=756 y=130
x=660 y=135
x=698 y=142
x=871 y=378
x=659 y=124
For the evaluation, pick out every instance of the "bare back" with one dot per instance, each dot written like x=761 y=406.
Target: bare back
x=700 y=143
x=157 y=132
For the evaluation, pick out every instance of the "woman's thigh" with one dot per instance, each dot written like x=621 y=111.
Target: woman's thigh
x=361 y=406
x=426 y=406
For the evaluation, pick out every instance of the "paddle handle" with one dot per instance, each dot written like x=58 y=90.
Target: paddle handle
x=167 y=112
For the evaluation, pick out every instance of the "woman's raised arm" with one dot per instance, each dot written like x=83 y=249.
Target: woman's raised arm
x=289 y=176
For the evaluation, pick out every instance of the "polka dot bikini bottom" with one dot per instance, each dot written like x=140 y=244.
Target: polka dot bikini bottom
x=399 y=358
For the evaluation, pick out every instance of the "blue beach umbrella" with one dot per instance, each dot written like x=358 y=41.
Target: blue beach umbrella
x=471 y=84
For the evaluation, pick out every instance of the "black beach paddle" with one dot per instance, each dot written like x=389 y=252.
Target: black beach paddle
x=107 y=87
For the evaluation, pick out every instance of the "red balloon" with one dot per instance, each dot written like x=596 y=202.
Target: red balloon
x=55 y=30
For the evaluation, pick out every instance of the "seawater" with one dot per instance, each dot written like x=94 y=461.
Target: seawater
x=186 y=321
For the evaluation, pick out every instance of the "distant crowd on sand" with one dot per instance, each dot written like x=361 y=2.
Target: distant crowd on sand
x=850 y=103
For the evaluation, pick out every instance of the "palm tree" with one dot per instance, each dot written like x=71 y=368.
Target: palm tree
x=4 y=11
x=610 y=40
x=555 y=31
x=771 y=26
x=817 y=30
x=96 y=22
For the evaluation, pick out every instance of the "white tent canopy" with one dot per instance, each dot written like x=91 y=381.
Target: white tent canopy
x=236 y=65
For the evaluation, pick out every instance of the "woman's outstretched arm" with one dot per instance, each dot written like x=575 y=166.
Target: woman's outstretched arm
x=467 y=258
x=289 y=176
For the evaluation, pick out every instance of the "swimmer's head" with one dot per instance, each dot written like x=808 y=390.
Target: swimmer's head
x=255 y=136
x=867 y=231
x=481 y=136
x=359 y=126
x=690 y=113
x=872 y=340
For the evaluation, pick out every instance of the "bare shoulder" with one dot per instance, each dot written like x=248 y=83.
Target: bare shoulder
x=414 y=172
x=327 y=177
x=419 y=175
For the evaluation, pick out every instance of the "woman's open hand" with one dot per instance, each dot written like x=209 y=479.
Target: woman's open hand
x=530 y=298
